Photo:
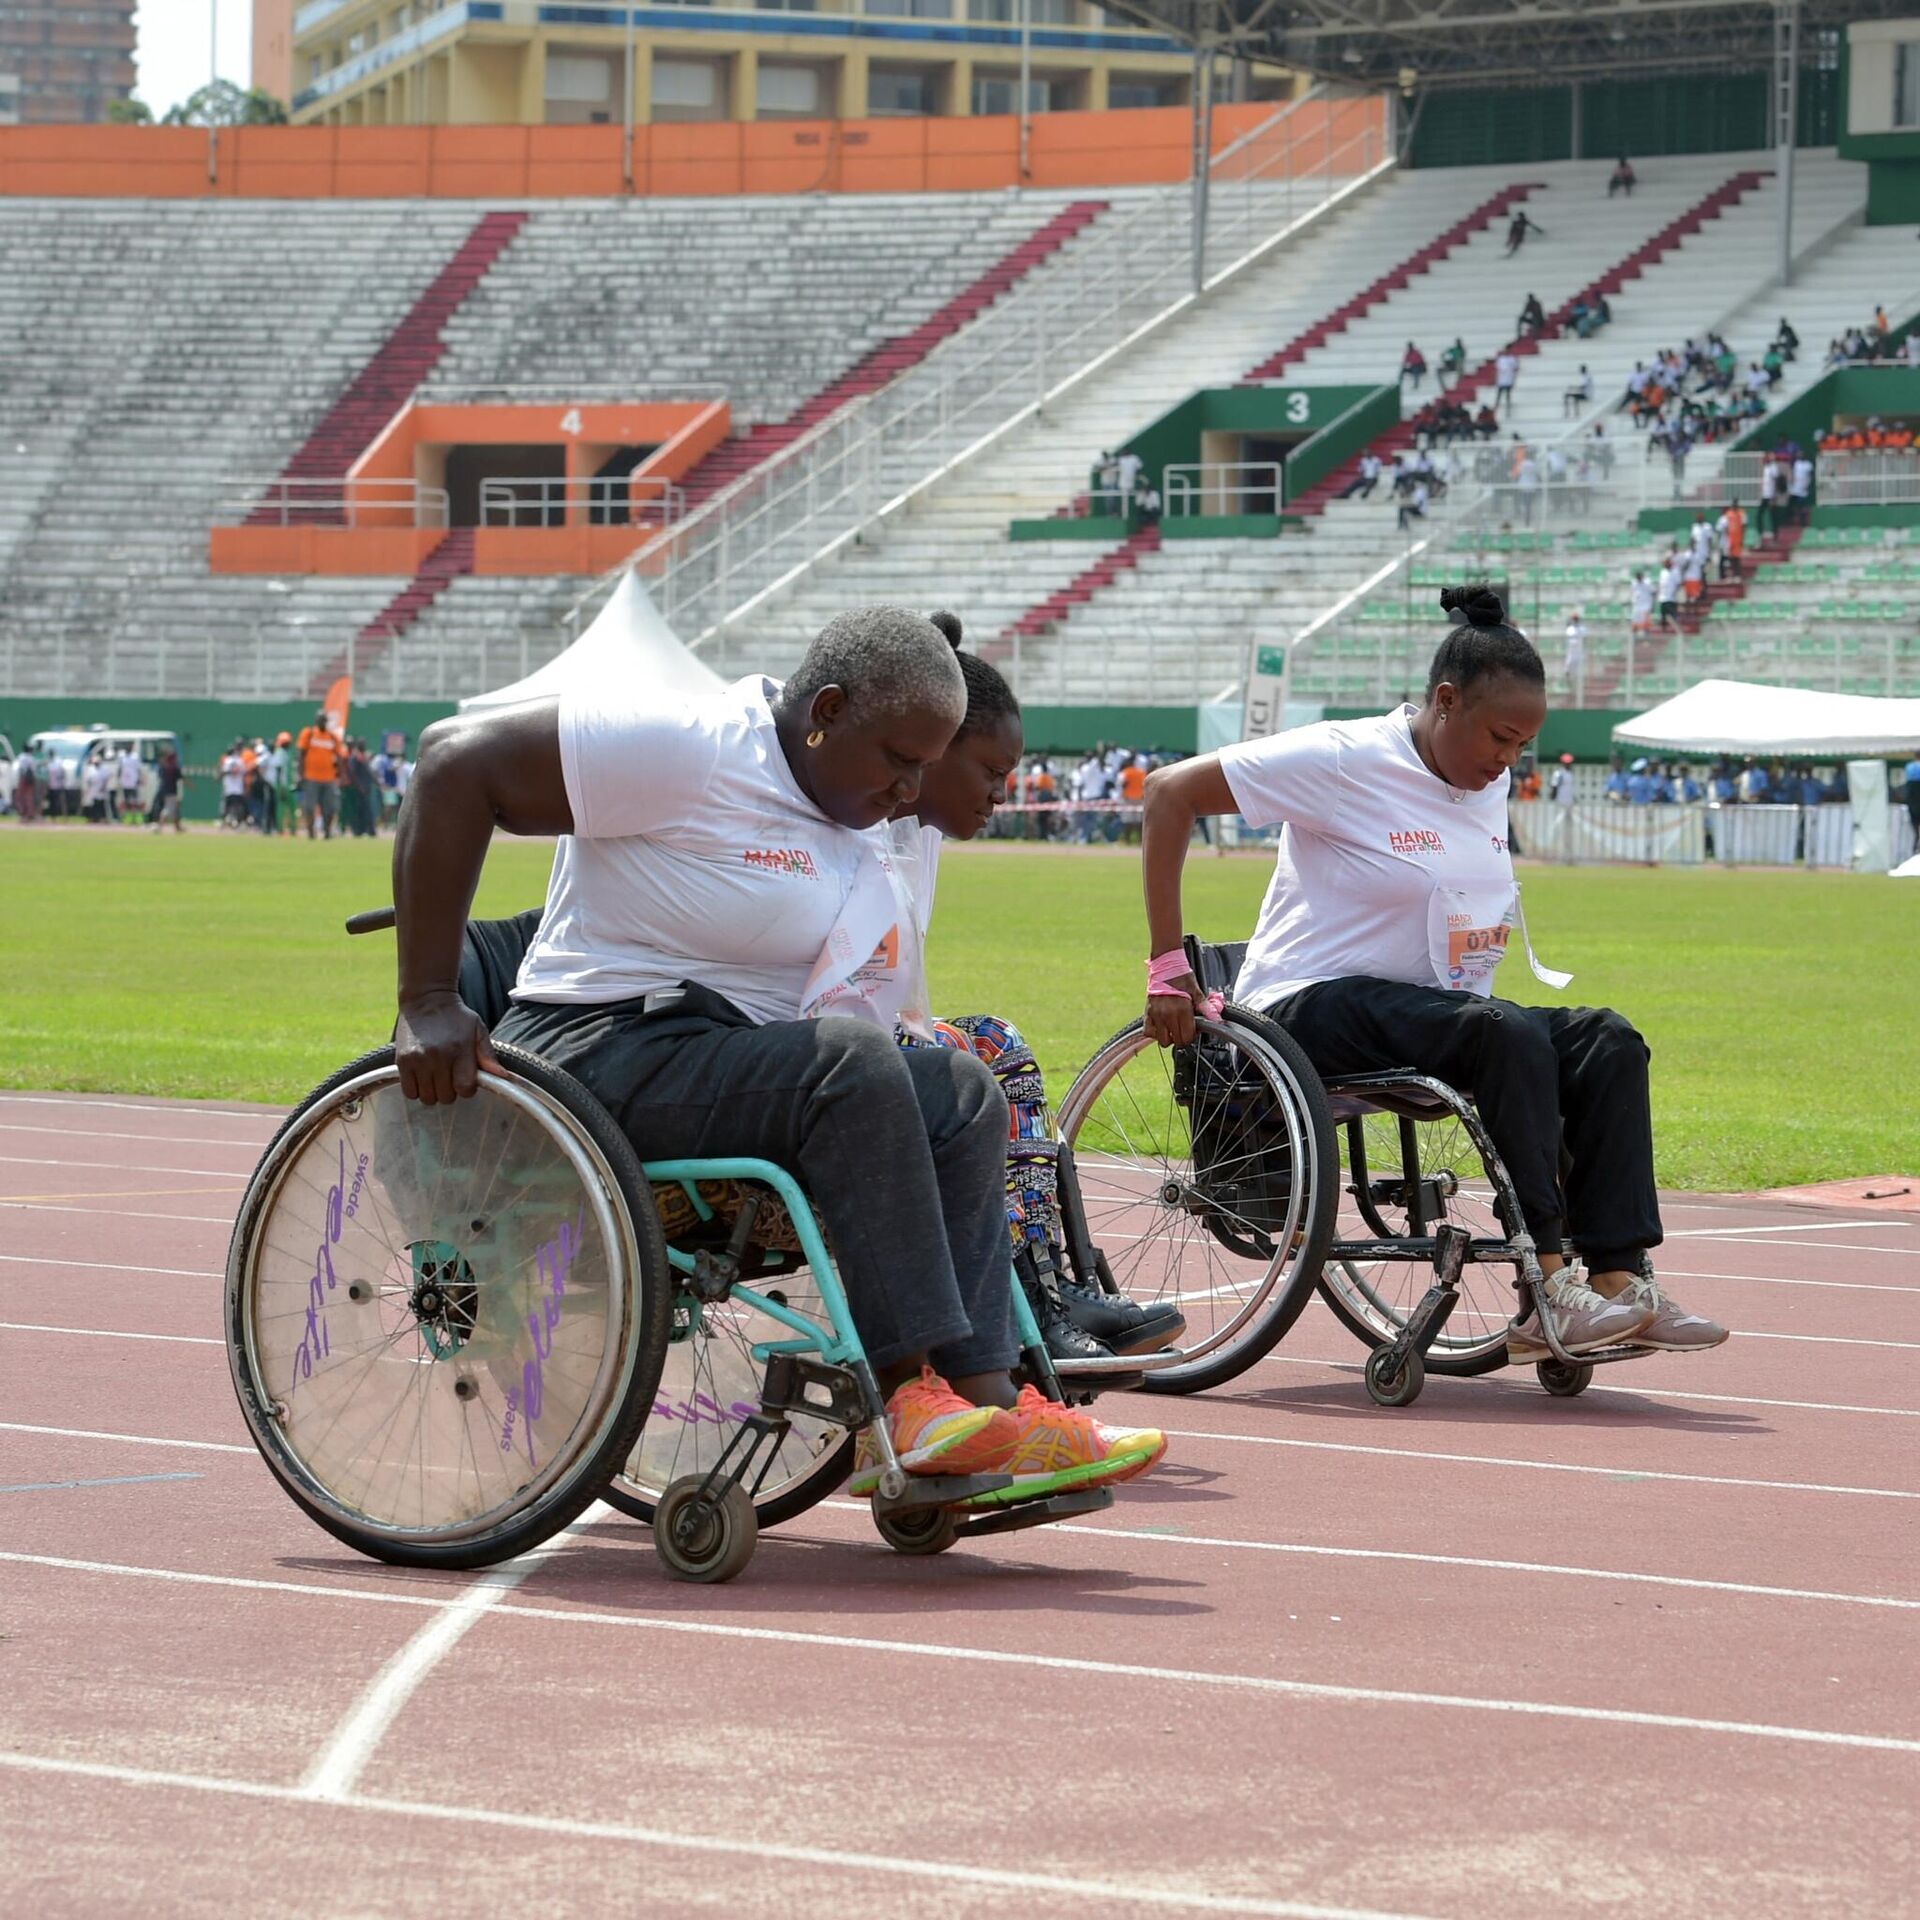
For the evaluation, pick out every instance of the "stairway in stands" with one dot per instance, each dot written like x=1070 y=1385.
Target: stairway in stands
x=451 y=557
x=1080 y=589
x=1728 y=194
x=404 y=360
x=734 y=459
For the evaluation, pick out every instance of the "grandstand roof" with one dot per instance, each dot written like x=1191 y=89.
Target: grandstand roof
x=1456 y=43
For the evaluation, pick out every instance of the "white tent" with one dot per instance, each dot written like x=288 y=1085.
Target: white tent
x=627 y=641
x=1735 y=716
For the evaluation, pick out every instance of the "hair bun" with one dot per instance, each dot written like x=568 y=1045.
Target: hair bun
x=949 y=624
x=1478 y=606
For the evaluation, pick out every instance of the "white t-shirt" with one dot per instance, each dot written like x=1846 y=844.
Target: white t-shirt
x=1641 y=594
x=1506 y=369
x=1670 y=582
x=1802 y=482
x=694 y=856
x=1384 y=870
x=916 y=860
x=129 y=769
x=233 y=776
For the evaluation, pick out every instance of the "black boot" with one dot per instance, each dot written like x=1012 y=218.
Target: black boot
x=1064 y=1340
x=1121 y=1324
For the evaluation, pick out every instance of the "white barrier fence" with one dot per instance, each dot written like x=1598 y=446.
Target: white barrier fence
x=1691 y=836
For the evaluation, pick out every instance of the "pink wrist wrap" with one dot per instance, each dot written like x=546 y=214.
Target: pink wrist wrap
x=1165 y=968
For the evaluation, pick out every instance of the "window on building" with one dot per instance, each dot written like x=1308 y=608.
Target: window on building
x=1000 y=93
x=585 y=78
x=1906 y=83
x=788 y=93
x=786 y=6
x=685 y=89
x=1055 y=13
x=913 y=9
x=899 y=90
x=1124 y=92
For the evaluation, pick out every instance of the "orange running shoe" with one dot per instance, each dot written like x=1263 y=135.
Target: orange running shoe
x=934 y=1431
x=1059 y=1447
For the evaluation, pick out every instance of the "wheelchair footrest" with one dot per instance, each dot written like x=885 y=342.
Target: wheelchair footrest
x=941 y=1490
x=1037 y=1513
x=1120 y=1363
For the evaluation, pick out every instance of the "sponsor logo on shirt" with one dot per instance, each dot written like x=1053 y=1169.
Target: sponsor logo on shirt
x=794 y=860
x=1416 y=840
x=1499 y=845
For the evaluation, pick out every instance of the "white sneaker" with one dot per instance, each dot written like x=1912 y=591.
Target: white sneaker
x=1672 y=1329
x=1585 y=1320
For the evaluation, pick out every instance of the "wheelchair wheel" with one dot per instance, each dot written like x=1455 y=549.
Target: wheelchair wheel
x=1208 y=1177
x=1561 y=1380
x=920 y=1530
x=705 y=1541
x=1384 y=1152
x=1394 y=1387
x=446 y=1324
x=710 y=1383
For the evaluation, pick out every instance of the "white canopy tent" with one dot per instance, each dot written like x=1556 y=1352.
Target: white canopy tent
x=1736 y=716
x=628 y=641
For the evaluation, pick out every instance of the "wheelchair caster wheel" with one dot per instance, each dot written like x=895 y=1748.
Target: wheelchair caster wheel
x=1561 y=1380
x=704 y=1539
x=919 y=1529
x=1393 y=1386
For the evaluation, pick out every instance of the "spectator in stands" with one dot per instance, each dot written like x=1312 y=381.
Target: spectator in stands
x=1533 y=316
x=1453 y=363
x=1363 y=482
x=1579 y=396
x=1526 y=480
x=1621 y=179
x=1800 y=489
x=169 y=785
x=1414 y=506
x=1786 y=342
x=1518 y=228
x=1643 y=785
x=1506 y=370
x=1731 y=538
x=1413 y=367
x=26 y=787
x=1668 y=592
x=1640 y=599
x=1576 y=656
x=1486 y=423
x=1144 y=508
x=1693 y=576
x=1127 y=471
x=317 y=753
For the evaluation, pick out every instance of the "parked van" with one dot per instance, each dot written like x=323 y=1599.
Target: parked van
x=75 y=747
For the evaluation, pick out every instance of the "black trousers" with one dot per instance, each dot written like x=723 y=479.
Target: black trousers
x=1558 y=1088
x=903 y=1151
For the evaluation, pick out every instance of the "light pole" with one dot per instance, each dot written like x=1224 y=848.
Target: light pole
x=213 y=75
x=1026 y=84
x=626 y=116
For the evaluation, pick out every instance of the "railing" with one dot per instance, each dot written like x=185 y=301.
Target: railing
x=1128 y=276
x=564 y=394
x=1221 y=487
x=1870 y=478
x=353 y=503
x=598 y=500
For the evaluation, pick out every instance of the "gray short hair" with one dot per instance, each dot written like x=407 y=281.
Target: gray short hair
x=889 y=660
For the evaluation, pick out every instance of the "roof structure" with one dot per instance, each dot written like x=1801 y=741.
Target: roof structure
x=1457 y=43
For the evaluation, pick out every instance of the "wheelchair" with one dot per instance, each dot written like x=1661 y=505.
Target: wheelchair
x=453 y=1328
x=1229 y=1178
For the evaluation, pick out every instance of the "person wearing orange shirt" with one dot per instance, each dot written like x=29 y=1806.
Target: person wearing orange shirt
x=317 y=754
x=1133 y=790
x=1733 y=539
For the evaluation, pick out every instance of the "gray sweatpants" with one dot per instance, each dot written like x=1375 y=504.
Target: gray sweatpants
x=903 y=1152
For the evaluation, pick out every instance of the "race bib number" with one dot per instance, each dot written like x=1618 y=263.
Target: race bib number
x=1467 y=932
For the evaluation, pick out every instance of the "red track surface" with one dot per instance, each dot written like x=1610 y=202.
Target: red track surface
x=1649 y=1651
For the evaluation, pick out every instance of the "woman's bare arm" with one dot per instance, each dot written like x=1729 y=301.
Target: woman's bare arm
x=1176 y=797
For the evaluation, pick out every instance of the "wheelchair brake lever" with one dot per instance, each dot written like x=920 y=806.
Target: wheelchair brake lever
x=374 y=920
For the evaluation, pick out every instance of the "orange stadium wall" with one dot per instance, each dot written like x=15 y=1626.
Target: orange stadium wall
x=1128 y=147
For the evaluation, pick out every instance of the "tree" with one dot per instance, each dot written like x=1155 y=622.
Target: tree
x=129 y=113
x=222 y=104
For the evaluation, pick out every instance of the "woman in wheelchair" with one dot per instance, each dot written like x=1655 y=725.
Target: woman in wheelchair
x=958 y=797
x=718 y=962
x=1388 y=912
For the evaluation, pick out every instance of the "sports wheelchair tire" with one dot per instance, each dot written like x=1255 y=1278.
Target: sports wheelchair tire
x=1399 y=1387
x=919 y=1530
x=1561 y=1380
x=446 y=1324
x=704 y=1540
x=1225 y=1203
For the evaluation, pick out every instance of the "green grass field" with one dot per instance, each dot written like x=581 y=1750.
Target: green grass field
x=1781 y=1007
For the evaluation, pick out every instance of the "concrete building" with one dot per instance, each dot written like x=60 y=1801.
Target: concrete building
x=64 y=60
x=478 y=62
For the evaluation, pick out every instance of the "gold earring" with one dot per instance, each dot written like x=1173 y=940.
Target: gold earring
x=816 y=736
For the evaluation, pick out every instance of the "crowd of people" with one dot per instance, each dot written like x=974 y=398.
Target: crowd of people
x=1874 y=342
x=1120 y=484
x=1699 y=392
x=1643 y=782
x=319 y=780
x=1096 y=799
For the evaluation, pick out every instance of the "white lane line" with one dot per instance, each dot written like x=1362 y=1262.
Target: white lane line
x=1541 y=1466
x=1257 y=1684
x=1351 y=1366
x=1828 y=1340
x=1775 y=1280
x=1309 y=1551
x=106 y=1333
x=1111 y=1895
x=90 y=1103
x=122 y=1166
x=121 y=1213
x=135 y=1439
x=157 y=1139
x=112 y=1266
x=337 y=1768
x=1825 y=1246
x=1812 y=1226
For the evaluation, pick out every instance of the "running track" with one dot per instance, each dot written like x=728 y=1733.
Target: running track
x=1656 y=1650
